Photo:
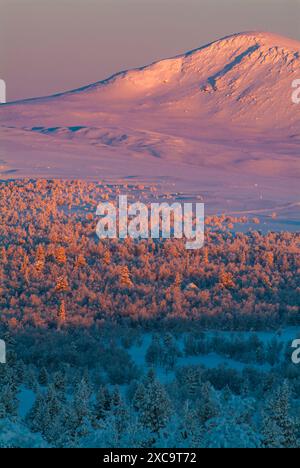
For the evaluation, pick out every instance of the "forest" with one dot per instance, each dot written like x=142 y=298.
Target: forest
x=142 y=343
x=55 y=272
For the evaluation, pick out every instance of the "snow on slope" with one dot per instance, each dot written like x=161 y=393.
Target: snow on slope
x=219 y=116
x=245 y=76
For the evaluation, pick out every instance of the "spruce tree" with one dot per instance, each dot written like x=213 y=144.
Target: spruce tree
x=139 y=397
x=155 y=408
x=207 y=407
x=154 y=351
x=43 y=377
x=103 y=403
x=277 y=420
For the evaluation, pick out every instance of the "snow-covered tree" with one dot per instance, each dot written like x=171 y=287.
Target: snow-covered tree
x=224 y=432
x=103 y=403
x=279 y=426
x=207 y=406
x=14 y=434
x=154 y=351
x=155 y=408
x=43 y=378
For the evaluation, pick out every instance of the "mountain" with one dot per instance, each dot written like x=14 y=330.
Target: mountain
x=219 y=118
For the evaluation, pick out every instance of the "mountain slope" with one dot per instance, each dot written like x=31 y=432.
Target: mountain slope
x=246 y=77
x=218 y=112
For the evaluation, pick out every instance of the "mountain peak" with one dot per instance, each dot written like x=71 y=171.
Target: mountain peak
x=243 y=80
x=263 y=38
x=217 y=59
x=268 y=44
x=225 y=107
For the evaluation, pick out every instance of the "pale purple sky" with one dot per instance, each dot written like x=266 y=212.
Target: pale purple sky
x=48 y=46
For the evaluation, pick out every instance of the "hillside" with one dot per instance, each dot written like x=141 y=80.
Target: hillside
x=217 y=121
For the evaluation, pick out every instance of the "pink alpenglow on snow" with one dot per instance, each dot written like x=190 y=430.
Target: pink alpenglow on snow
x=218 y=121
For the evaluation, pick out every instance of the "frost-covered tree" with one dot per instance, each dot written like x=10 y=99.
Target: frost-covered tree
x=279 y=425
x=207 y=405
x=35 y=417
x=271 y=433
x=80 y=411
x=103 y=403
x=154 y=351
x=116 y=398
x=14 y=434
x=43 y=378
x=191 y=382
x=225 y=432
x=155 y=408
x=170 y=351
x=121 y=418
x=47 y=416
x=190 y=430
x=59 y=383
x=139 y=396
x=8 y=400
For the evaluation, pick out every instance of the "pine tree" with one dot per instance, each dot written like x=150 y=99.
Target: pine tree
x=139 y=397
x=116 y=398
x=60 y=255
x=59 y=383
x=80 y=261
x=278 y=423
x=2 y=409
x=192 y=381
x=62 y=284
x=103 y=403
x=206 y=406
x=177 y=280
x=40 y=258
x=39 y=415
x=8 y=399
x=121 y=418
x=43 y=376
x=124 y=277
x=81 y=403
x=62 y=316
x=190 y=429
x=170 y=351
x=226 y=280
x=271 y=433
x=205 y=256
x=155 y=408
x=154 y=351
x=107 y=257
x=150 y=377
x=52 y=403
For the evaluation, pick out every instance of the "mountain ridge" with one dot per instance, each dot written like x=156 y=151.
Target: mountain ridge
x=261 y=38
x=220 y=117
x=243 y=75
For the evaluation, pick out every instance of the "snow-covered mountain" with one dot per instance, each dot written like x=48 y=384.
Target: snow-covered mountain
x=218 y=116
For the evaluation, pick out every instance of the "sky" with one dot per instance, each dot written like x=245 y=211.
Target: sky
x=49 y=46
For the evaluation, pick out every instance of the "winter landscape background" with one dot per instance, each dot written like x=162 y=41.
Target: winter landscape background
x=123 y=343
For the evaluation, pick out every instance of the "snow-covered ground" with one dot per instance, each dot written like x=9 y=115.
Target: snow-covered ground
x=211 y=360
x=26 y=399
x=218 y=122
